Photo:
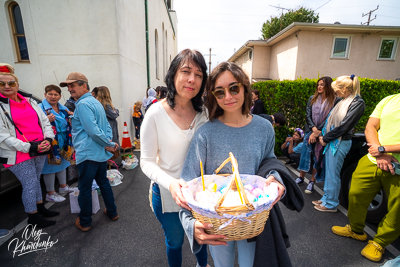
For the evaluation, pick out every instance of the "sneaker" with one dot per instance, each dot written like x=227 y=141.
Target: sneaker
x=299 y=180
x=4 y=233
x=316 y=202
x=66 y=189
x=310 y=188
x=54 y=197
x=373 y=251
x=322 y=208
x=347 y=232
x=289 y=162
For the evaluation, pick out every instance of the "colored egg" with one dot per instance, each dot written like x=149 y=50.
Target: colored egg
x=249 y=187
x=250 y=197
x=212 y=187
x=257 y=191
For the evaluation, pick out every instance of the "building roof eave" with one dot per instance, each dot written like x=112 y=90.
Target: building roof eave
x=246 y=47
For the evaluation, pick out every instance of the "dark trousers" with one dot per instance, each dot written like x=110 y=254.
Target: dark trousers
x=295 y=157
x=88 y=171
x=137 y=128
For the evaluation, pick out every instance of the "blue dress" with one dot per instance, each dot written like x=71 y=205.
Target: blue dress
x=61 y=125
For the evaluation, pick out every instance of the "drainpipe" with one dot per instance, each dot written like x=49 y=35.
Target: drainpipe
x=147 y=43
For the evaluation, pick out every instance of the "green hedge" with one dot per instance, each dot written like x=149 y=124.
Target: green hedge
x=290 y=98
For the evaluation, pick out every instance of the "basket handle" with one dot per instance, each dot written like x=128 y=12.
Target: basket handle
x=247 y=206
x=114 y=163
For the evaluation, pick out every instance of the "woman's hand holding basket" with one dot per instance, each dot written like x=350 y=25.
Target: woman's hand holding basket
x=281 y=188
x=203 y=238
x=176 y=192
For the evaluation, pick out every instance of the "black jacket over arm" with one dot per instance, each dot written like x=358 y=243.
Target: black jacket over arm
x=346 y=126
x=272 y=243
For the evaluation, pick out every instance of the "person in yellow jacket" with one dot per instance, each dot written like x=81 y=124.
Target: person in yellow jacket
x=375 y=171
x=137 y=117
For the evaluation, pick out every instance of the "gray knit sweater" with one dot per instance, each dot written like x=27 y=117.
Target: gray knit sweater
x=213 y=142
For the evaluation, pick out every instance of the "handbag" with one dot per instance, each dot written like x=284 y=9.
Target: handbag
x=34 y=144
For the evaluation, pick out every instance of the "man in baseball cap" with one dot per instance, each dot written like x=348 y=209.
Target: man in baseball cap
x=91 y=135
x=74 y=77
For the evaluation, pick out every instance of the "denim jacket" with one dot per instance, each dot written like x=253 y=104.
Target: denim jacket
x=91 y=132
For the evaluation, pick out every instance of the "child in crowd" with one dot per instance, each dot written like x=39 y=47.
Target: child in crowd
x=137 y=117
x=292 y=146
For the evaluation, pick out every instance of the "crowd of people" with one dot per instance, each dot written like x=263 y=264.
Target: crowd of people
x=47 y=138
x=196 y=116
x=232 y=120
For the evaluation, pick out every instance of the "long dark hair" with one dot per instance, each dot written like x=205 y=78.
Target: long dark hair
x=329 y=93
x=184 y=56
x=214 y=110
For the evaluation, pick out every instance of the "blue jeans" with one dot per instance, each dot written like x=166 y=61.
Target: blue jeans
x=333 y=165
x=306 y=155
x=174 y=233
x=224 y=256
x=88 y=171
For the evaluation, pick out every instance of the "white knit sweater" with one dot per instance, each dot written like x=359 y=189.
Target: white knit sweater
x=163 y=150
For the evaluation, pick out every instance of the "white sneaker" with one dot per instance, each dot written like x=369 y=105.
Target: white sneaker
x=66 y=189
x=54 y=197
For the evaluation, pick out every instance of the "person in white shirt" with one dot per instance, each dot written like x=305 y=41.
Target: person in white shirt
x=166 y=133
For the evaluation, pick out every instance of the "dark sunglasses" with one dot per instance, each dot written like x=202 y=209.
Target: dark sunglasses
x=11 y=84
x=219 y=92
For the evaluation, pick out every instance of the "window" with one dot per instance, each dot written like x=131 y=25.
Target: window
x=163 y=50
x=18 y=32
x=166 y=51
x=341 y=46
x=388 y=47
x=156 y=48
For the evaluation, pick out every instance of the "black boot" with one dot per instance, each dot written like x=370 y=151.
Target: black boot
x=39 y=221
x=45 y=212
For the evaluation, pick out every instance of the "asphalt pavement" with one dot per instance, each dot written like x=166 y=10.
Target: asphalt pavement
x=137 y=239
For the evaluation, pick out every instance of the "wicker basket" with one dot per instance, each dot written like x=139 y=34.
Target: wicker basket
x=247 y=221
x=237 y=229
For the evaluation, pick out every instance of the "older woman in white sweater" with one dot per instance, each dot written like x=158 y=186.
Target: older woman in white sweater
x=166 y=133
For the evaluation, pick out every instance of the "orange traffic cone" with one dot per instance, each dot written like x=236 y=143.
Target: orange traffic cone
x=126 y=140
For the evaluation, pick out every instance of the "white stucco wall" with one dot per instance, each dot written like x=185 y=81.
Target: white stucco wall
x=105 y=40
x=245 y=63
x=158 y=16
x=315 y=50
x=261 y=61
x=283 y=59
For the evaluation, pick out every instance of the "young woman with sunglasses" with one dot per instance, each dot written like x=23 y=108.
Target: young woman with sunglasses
x=22 y=122
x=231 y=129
x=166 y=132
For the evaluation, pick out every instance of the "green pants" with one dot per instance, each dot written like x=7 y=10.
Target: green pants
x=366 y=182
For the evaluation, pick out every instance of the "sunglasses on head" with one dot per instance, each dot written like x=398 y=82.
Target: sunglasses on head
x=11 y=84
x=219 y=92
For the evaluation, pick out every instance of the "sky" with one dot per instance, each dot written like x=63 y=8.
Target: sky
x=225 y=25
